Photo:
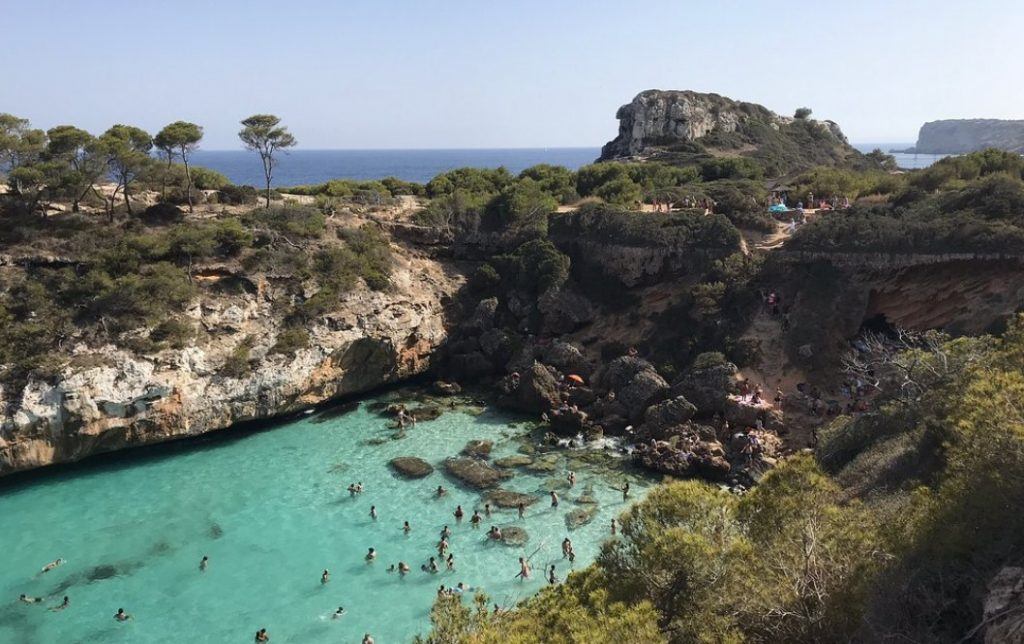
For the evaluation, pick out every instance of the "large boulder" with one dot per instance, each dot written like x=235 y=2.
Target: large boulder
x=635 y=384
x=503 y=498
x=564 y=311
x=475 y=473
x=515 y=460
x=580 y=516
x=666 y=414
x=741 y=414
x=469 y=366
x=536 y=390
x=708 y=388
x=411 y=467
x=478 y=448
x=566 y=357
x=483 y=316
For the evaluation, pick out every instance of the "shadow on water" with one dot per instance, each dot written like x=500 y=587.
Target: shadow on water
x=13 y=618
x=127 y=458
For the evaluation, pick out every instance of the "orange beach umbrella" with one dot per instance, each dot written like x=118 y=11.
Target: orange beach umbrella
x=577 y=379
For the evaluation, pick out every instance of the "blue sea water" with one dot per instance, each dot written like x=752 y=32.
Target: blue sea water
x=316 y=166
x=903 y=160
x=271 y=510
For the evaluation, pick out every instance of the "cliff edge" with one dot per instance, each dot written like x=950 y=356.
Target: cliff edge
x=960 y=136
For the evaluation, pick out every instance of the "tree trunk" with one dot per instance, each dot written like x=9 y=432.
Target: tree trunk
x=188 y=177
x=127 y=200
x=267 y=171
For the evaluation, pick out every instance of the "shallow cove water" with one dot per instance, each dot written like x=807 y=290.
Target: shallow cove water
x=271 y=511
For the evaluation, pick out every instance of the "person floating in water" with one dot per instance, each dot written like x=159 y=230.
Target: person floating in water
x=403 y=568
x=524 y=569
x=30 y=600
x=406 y=528
x=494 y=533
x=430 y=567
x=359 y=487
x=338 y=613
x=204 y=563
x=487 y=509
x=441 y=491
x=352 y=489
x=61 y=606
x=262 y=635
x=122 y=616
x=371 y=555
x=476 y=519
x=326 y=577
x=373 y=512
x=53 y=564
x=552 y=579
x=459 y=513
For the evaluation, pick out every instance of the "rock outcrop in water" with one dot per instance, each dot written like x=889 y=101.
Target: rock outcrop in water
x=960 y=136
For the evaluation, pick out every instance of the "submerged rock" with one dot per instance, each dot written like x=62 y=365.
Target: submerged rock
x=515 y=460
x=426 y=412
x=546 y=463
x=478 y=448
x=580 y=516
x=411 y=467
x=513 y=535
x=508 y=499
x=475 y=473
x=442 y=388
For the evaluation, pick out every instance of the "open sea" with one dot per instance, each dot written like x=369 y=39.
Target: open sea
x=271 y=511
x=317 y=166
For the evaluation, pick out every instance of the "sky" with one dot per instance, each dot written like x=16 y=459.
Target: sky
x=487 y=73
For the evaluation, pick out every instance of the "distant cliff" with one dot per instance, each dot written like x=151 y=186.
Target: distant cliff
x=679 y=125
x=959 y=136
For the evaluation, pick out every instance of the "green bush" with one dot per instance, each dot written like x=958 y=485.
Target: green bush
x=290 y=220
x=290 y=340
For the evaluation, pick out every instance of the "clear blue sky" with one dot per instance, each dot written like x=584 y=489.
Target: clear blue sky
x=484 y=73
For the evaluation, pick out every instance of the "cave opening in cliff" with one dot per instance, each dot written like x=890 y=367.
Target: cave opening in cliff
x=878 y=324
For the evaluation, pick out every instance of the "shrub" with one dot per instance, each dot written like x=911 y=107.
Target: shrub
x=289 y=220
x=173 y=332
x=802 y=113
x=237 y=364
x=237 y=195
x=290 y=340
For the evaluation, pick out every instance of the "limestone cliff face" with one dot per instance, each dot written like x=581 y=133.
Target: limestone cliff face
x=109 y=398
x=657 y=118
x=959 y=136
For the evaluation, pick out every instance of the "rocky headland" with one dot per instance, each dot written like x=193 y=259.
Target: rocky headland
x=960 y=136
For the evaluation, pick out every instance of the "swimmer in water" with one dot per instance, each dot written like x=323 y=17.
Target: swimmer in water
x=406 y=528
x=61 y=606
x=338 y=613
x=203 y=563
x=373 y=512
x=487 y=509
x=522 y=510
x=524 y=569
x=572 y=479
x=445 y=532
x=441 y=592
x=552 y=579
x=391 y=568
x=351 y=489
x=450 y=561
x=371 y=555
x=326 y=577
x=625 y=491
x=122 y=616
x=441 y=491
x=566 y=547
x=367 y=639
x=614 y=527
x=30 y=600
x=53 y=564
x=442 y=547
x=403 y=568
x=459 y=513
x=359 y=487
x=262 y=636
x=554 y=499
x=476 y=519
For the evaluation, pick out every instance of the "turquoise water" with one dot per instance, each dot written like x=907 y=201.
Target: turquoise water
x=271 y=511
